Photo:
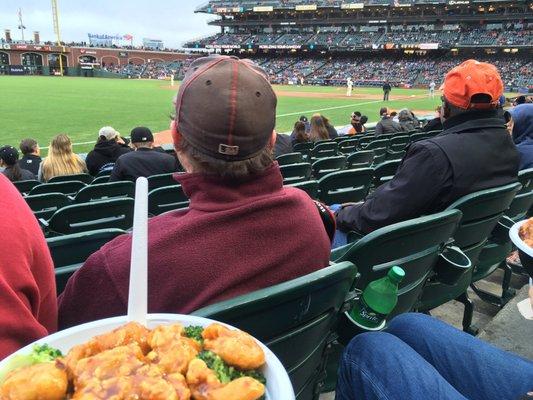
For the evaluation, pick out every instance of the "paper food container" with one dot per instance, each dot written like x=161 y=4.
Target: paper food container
x=524 y=251
x=278 y=385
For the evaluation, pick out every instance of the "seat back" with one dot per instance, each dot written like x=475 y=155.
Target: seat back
x=291 y=158
x=26 y=186
x=85 y=178
x=385 y=171
x=395 y=155
x=324 y=149
x=348 y=146
x=68 y=188
x=310 y=187
x=45 y=205
x=162 y=180
x=167 y=199
x=481 y=212
x=360 y=159
x=69 y=252
x=415 y=137
x=399 y=143
x=101 y=179
x=294 y=319
x=377 y=144
x=303 y=147
x=414 y=245
x=328 y=165
x=115 y=213
x=105 y=191
x=366 y=139
x=525 y=177
x=345 y=186
x=294 y=173
x=522 y=202
x=104 y=172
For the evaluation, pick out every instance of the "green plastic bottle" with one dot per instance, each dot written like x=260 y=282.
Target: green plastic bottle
x=378 y=300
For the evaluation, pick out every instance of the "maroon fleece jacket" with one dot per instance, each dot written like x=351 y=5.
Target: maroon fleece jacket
x=28 y=304
x=235 y=238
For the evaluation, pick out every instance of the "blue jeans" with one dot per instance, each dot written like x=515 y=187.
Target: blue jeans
x=419 y=357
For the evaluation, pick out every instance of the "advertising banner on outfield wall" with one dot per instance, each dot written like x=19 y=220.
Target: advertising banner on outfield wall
x=16 y=70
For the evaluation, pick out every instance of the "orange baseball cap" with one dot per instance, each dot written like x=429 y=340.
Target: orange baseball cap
x=470 y=78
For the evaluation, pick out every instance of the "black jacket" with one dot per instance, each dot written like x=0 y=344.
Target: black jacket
x=106 y=152
x=387 y=87
x=434 y=125
x=387 y=125
x=332 y=132
x=30 y=163
x=474 y=152
x=143 y=162
x=283 y=145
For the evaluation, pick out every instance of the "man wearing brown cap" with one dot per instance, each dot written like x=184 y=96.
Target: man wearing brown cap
x=474 y=152
x=243 y=231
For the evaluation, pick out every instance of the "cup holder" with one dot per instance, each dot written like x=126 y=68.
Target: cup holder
x=452 y=265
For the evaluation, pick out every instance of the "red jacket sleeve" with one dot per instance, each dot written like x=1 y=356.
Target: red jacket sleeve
x=28 y=308
x=89 y=295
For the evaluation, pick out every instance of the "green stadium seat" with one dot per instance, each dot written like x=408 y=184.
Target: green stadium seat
x=45 y=205
x=290 y=158
x=325 y=166
x=100 y=180
x=115 y=213
x=348 y=146
x=25 y=187
x=167 y=199
x=415 y=137
x=360 y=159
x=303 y=147
x=385 y=171
x=105 y=191
x=399 y=143
x=377 y=144
x=85 y=178
x=415 y=245
x=395 y=155
x=310 y=187
x=366 y=139
x=103 y=173
x=69 y=252
x=294 y=173
x=295 y=319
x=481 y=212
x=345 y=186
x=162 y=180
x=324 y=149
x=380 y=156
x=68 y=188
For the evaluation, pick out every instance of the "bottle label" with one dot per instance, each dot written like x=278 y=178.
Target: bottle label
x=366 y=316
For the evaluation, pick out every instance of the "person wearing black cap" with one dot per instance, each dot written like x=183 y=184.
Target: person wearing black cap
x=9 y=157
x=144 y=161
x=238 y=234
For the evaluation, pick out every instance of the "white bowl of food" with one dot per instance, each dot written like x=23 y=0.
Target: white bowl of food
x=86 y=365
x=521 y=235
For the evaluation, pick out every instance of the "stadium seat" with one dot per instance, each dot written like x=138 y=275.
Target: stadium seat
x=327 y=165
x=366 y=139
x=166 y=199
x=385 y=171
x=69 y=252
x=419 y=136
x=324 y=149
x=348 y=146
x=290 y=158
x=481 y=212
x=115 y=213
x=360 y=159
x=103 y=173
x=85 y=178
x=304 y=147
x=100 y=180
x=25 y=187
x=295 y=319
x=345 y=186
x=377 y=144
x=294 y=173
x=399 y=143
x=45 y=205
x=415 y=245
x=68 y=188
x=380 y=156
x=310 y=187
x=395 y=155
x=162 y=180
x=105 y=191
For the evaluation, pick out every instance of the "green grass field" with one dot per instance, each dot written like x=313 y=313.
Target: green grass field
x=41 y=107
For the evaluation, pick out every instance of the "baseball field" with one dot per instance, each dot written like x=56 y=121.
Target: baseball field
x=41 y=107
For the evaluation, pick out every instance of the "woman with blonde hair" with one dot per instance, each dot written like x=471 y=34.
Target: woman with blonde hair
x=61 y=160
x=318 y=129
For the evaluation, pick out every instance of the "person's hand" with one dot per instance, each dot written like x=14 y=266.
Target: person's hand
x=120 y=141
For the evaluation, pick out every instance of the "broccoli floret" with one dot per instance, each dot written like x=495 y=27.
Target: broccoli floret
x=195 y=332
x=225 y=372
x=45 y=353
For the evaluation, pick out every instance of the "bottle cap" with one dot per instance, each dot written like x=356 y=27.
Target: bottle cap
x=396 y=274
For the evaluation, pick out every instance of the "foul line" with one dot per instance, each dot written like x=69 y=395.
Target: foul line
x=345 y=106
x=299 y=112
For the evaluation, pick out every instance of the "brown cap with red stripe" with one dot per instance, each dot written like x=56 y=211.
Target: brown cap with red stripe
x=226 y=108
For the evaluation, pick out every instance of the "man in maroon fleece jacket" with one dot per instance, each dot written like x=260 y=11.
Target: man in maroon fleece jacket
x=243 y=230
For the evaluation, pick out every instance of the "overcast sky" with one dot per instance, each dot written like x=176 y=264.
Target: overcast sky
x=172 y=21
